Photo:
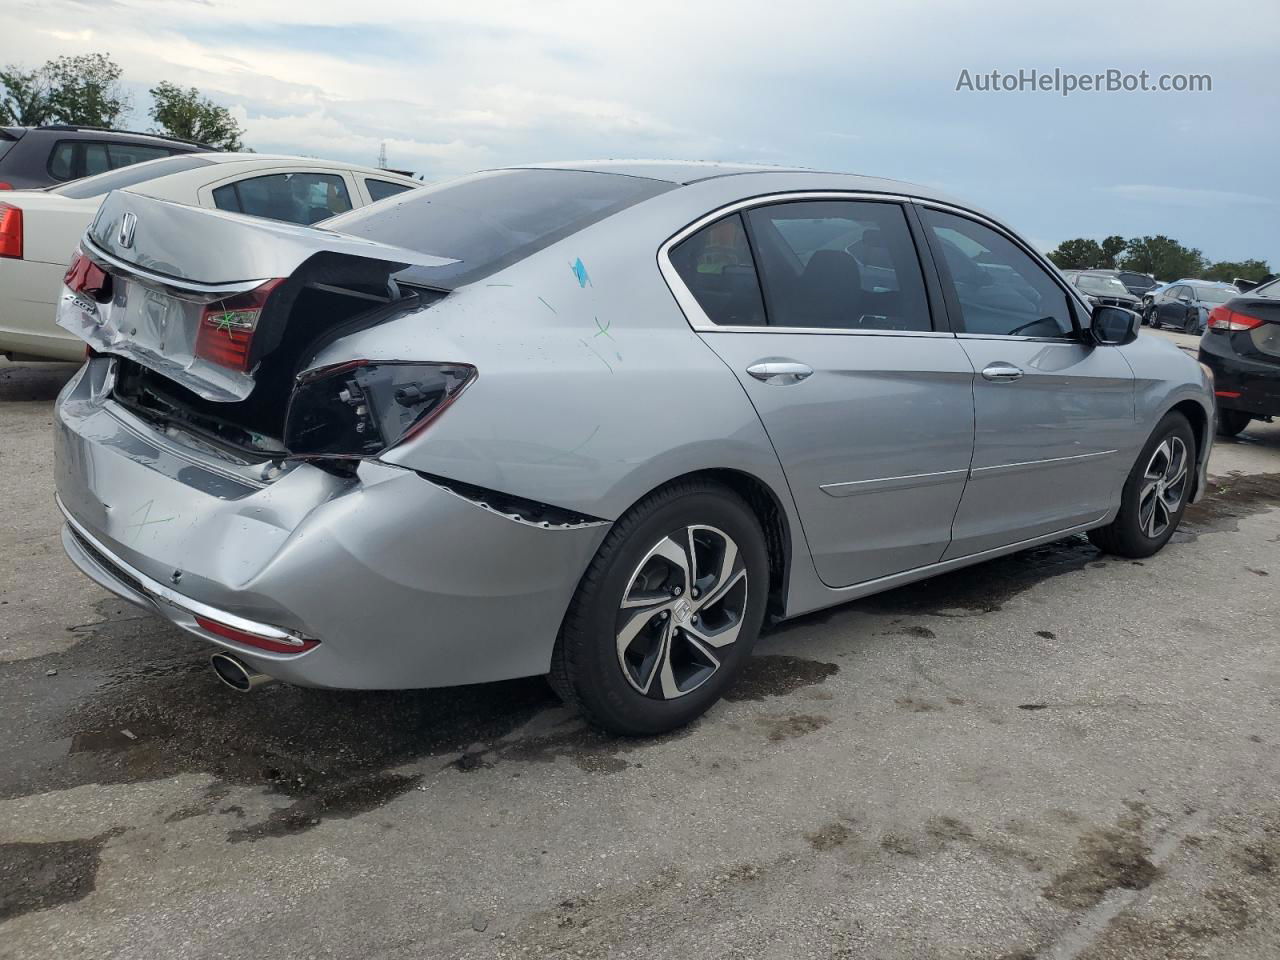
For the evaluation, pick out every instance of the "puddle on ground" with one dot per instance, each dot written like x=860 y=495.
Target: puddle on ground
x=38 y=382
x=37 y=876
x=775 y=675
x=1229 y=499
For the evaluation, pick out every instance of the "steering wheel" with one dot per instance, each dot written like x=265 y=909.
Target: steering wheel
x=1016 y=330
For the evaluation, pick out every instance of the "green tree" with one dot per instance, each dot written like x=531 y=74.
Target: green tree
x=1112 y=247
x=85 y=90
x=1228 y=270
x=25 y=101
x=1078 y=254
x=1162 y=257
x=190 y=116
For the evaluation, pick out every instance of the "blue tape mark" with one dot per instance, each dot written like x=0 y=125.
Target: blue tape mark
x=580 y=271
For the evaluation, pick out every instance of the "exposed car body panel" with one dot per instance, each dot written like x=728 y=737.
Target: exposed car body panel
x=342 y=560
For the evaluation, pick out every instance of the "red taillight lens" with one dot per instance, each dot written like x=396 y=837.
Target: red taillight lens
x=269 y=644
x=362 y=407
x=5 y=186
x=226 y=329
x=86 y=277
x=10 y=231
x=1221 y=318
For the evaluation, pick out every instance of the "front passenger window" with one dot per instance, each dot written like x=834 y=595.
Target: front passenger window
x=1001 y=290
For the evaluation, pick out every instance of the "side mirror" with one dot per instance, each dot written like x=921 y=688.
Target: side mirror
x=1113 y=326
x=1184 y=299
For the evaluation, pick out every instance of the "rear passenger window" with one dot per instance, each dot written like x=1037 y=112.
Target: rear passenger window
x=381 y=189
x=62 y=160
x=716 y=265
x=1001 y=290
x=839 y=264
x=127 y=154
x=294 y=197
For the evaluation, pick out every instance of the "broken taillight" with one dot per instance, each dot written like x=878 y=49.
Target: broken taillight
x=86 y=277
x=362 y=407
x=225 y=335
x=10 y=231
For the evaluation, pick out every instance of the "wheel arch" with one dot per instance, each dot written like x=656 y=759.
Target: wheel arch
x=774 y=520
x=1202 y=426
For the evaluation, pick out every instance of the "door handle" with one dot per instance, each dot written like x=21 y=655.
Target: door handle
x=779 y=372
x=1001 y=372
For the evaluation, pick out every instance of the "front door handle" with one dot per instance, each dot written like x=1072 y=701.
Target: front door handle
x=779 y=372
x=1001 y=372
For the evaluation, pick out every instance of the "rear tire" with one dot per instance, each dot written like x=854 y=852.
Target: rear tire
x=1155 y=494
x=1231 y=422
x=666 y=613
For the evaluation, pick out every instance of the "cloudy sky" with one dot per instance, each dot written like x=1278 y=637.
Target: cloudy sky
x=870 y=88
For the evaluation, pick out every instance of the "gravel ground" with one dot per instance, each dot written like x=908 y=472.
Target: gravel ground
x=1053 y=755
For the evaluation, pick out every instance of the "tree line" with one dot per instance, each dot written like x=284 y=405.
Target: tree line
x=1160 y=256
x=86 y=91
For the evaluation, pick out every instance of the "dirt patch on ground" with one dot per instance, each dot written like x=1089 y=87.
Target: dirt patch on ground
x=1106 y=858
x=776 y=675
x=37 y=876
x=792 y=726
x=829 y=837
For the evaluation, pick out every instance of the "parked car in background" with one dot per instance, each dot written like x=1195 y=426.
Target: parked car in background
x=1242 y=348
x=1185 y=304
x=1099 y=287
x=35 y=157
x=39 y=229
x=592 y=421
x=1136 y=283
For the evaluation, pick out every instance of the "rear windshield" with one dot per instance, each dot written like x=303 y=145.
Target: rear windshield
x=1271 y=289
x=488 y=221
x=104 y=183
x=1103 y=286
x=1216 y=294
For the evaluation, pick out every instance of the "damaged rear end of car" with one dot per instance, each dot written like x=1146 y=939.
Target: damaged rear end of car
x=210 y=471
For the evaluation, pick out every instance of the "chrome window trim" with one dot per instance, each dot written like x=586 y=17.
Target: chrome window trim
x=693 y=311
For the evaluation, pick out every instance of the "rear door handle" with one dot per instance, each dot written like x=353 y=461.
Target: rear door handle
x=779 y=372
x=1001 y=372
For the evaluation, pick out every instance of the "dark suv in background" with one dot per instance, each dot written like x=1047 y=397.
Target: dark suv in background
x=34 y=157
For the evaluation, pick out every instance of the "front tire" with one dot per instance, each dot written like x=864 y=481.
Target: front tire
x=666 y=613
x=1231 y=422
x=1155 y=494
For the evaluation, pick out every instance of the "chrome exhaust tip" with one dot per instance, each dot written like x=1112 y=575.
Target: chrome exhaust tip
x=233 y=671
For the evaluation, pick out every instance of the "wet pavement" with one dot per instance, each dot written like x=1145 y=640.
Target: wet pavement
x=1056 y=754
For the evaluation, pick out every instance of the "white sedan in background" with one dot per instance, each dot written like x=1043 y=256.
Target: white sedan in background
x=39 y=229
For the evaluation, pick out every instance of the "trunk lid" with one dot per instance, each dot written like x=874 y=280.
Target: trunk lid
x=203 y=297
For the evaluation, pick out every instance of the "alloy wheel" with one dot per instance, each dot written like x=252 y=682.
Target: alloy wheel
x=1164 y=484
x=682 y=607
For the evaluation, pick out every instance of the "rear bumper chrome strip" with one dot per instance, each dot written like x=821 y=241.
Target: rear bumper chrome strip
x=139 y=584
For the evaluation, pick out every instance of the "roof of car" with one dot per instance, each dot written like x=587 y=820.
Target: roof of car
x=305 y=161
x=91 y=132
x=673 y=171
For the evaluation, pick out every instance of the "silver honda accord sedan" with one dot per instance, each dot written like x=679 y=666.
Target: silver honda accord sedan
x=595 y=421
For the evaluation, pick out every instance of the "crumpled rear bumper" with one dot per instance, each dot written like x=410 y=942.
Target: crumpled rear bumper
x=404 y=583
